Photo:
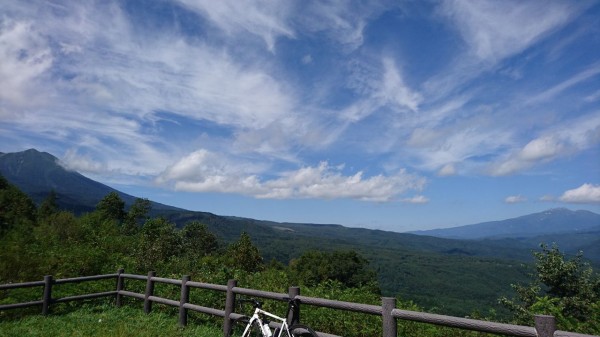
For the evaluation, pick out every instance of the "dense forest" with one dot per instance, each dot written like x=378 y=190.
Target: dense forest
x=42 y=239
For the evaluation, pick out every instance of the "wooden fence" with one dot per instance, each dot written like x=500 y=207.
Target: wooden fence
x=545 y=326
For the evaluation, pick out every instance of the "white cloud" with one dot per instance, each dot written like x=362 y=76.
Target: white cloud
x=541 y=148
x=568 y=138
x=204 y=171
x=447 y=170
x=202 y=164
x=584 y=194
x=107 y=81
x=417 y=199
x=104 y=86
x=593 y=96
x=548 y=198
x=394 y=91
x=582 y=76
x=266 y=19
x=494 y=30
x=113 y=67
x=193 y=80
x=469 y=141
x=82 y=163
x=342 y=21
x=424 y=137
x=380 y=88
x=514 y=199
x=26 y=57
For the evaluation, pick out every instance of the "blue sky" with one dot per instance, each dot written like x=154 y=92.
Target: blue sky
x=397 y=115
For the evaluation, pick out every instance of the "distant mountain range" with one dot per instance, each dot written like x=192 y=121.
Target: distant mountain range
x=572 y=231
x=491 y=256
x=550 y=222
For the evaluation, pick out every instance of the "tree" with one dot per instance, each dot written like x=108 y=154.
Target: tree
x=16 y=208
x=197 y=240
x=157 y=244
x=244 y=255
x=17 y=219
x=112 y=207
x=347 y=267
x=49 y=206
x=136 y=216
x=566 y=289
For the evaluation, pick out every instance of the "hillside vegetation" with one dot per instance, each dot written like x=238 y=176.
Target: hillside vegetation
x=44 y=240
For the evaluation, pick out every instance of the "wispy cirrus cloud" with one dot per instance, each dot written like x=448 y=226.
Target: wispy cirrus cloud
x=556 y=142
x=493 y=30
x=108 y=85
x=460 y=128
x=342 y=21
x=265 y=19
x=590 y=72
x=26 y=59
x=381 y=87
x=113 y=81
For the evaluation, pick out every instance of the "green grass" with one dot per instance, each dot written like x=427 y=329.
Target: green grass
x=104 y=320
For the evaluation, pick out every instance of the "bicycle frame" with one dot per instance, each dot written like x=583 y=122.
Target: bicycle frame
x=257 y=317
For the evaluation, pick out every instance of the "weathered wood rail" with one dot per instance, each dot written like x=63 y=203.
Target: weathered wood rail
x=545 y=326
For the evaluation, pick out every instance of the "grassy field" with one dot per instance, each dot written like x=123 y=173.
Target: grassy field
x=104 y=320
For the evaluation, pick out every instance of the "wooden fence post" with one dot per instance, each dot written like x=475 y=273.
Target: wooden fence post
x=185 y=298
x=47 y=296
x=390 y=327
x=545 y=325
x=120 y=286
x=294 y=315
x=149 y=292
x=229 y=306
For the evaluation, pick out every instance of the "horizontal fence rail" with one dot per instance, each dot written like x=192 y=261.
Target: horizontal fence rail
x=465 y=323
x=545 y=326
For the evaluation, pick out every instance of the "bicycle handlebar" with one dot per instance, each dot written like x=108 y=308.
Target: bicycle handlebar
x=255 y=303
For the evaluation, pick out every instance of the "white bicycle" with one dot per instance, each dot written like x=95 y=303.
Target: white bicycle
x=258 y=324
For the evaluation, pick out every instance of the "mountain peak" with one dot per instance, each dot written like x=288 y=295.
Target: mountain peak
x=31 y=155
x=37 y=173
x=559 y=210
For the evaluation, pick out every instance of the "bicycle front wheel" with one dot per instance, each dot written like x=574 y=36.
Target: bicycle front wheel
x=301 y=330
x=239 y=326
